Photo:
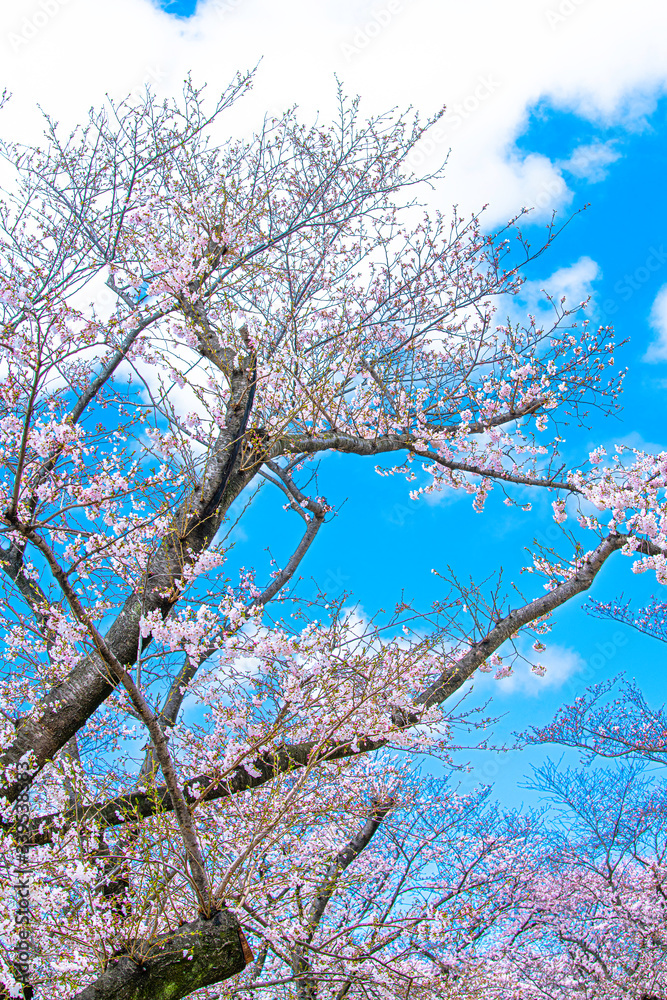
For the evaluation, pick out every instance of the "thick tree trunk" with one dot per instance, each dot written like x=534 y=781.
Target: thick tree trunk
x=175 y=964
x=68 y=706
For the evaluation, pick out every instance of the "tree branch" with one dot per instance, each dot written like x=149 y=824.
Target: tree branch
x=342 y=861
x=387 y=443
x=71 y=703
x=306 y=983
x=298 y=502
x=453 y=676
x=174 y=964
x=206 y=788
x=184 y=818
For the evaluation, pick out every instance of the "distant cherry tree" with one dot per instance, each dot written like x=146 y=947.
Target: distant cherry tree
x=612 y=719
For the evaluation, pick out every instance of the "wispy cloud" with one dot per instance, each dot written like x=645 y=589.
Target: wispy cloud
x=591 y=162
x=574 y=282
x=561 y=663
x=657 y=350
x=616 y=71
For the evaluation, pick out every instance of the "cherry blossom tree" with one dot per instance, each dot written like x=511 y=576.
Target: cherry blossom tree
x=437 y=895
x=624 y=726
x=592 y=923
x=612 y=719
x=408 y=916
x=184 y=320
x=618 y=932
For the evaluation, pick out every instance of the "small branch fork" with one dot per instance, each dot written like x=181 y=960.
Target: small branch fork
x=300 y=503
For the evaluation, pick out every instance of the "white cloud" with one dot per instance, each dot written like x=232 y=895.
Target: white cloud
x=657 y=351
x=489 y=62
x=561 y=664
x=633 y=439
x=574 y=282
x=591 y=162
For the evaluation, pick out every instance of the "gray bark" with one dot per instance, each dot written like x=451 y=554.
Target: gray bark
x=68 y=706
x=158 y=969
x=306 y=985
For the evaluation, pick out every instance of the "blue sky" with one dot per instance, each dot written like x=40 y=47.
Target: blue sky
x=573 y=113
x=180 y=8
